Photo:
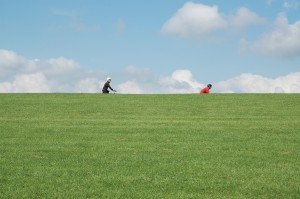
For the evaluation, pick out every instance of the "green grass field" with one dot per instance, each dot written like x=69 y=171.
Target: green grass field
x=150 y=146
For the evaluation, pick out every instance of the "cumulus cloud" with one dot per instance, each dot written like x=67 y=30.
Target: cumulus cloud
x=181 y=81
x=132 y=87
x=244 y=17
x=19 y=74
x=283 y=41
x=250 y=83
x=26 y=83
x=10 y=62
x=143 y=81
x=87 y=85
x=58 y=66
x=10 y=59
x=195 y=20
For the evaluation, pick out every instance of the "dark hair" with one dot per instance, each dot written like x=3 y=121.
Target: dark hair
x=209 y=85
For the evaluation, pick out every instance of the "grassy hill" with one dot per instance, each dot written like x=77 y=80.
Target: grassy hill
x=149 y=146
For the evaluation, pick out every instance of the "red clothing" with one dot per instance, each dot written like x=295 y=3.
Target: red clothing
x=205 y=90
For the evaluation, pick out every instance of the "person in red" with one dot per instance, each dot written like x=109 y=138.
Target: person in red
x=206 y=89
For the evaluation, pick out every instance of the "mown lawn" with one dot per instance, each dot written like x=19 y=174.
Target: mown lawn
x=149 y=146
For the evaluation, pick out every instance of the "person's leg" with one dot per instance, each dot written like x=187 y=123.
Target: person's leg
x=105 y=91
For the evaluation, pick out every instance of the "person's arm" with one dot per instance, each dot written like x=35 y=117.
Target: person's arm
x=110 y=87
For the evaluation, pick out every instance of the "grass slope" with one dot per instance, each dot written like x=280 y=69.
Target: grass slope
x=149 y=146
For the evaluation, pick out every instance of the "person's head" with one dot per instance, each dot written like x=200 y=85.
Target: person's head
x=209 y=86
x=109 y=79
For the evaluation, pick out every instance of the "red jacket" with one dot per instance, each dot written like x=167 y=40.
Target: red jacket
x=205 y=90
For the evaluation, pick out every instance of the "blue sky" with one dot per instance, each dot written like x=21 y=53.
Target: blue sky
x=158 y=46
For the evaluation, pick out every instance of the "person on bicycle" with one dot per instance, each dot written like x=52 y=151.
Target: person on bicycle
x=107 y=86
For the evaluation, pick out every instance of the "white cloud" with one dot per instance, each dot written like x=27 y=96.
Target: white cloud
x=88 y=85
x=131 y=87
x=250 y=83
x=143 y=81
x=19 y=74
x=181 y=81
x=65 y=75
x=10 y=62
x=283 y=41
x=244 y=17
x=10 y=59
x=195 y=20
x=26 y=83
x=59 y=65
